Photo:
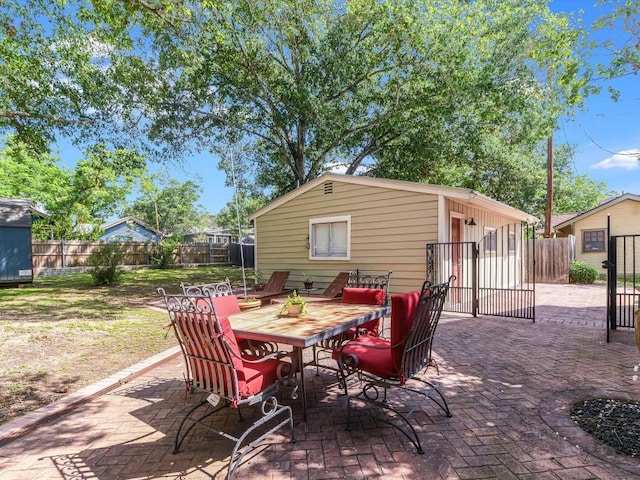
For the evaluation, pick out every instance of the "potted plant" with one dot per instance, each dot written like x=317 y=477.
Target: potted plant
x=294 y=306
x=258 y=281
x=307 y=281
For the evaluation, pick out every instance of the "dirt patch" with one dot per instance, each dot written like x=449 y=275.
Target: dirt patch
x=64 y=334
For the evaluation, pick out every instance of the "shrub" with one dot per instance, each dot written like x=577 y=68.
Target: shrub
x=580 y=272
x=105 y=262
x=162 y=254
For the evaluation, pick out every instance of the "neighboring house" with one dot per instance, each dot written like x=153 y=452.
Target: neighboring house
x=556 y=220
x=129 y=229
x=15 y=241
x=590 y=228
x=216 y=235
x=338 y=223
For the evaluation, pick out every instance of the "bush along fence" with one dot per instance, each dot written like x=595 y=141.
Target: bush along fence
x=56 y=254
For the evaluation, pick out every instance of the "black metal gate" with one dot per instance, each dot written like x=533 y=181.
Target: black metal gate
x=623 y=280
x=495 y=276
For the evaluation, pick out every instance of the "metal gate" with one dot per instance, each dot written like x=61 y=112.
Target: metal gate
x=623 y=280
x=495 y=276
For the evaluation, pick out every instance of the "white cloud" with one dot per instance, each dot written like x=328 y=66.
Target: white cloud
x=627 y=159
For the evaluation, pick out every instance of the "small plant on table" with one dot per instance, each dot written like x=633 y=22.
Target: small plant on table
x=295 y=305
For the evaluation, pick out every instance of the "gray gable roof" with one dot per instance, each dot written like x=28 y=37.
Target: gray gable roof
x=15 y=213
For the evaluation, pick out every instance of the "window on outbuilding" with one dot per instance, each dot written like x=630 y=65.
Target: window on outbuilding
x=330 y=238
x=593 y=241
x=490 y=240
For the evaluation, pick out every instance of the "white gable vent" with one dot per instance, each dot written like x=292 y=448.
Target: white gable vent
x=328 y=188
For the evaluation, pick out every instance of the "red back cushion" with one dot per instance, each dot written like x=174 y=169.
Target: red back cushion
x=403 y=310
x=226 y=305
x=365 y=296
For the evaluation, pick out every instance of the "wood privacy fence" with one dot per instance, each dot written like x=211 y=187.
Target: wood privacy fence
x=69 y=253
x=553 y=257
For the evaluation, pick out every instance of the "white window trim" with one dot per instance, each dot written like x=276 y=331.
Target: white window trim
x=341 y=218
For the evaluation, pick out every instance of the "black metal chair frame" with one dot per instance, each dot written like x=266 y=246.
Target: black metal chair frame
x=357 y=279
x=207 y=349
x=416 y=359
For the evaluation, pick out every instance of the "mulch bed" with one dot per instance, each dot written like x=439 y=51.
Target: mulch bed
x=613 y=422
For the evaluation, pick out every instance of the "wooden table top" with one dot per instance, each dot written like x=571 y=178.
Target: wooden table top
x=323 y=320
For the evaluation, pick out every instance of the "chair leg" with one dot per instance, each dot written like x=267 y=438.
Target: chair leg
x=195 y=421
x=239 y=452
x=370 y=394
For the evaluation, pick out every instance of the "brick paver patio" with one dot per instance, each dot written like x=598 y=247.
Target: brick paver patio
x=510 y=384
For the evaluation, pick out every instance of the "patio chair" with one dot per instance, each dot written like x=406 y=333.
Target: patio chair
x=370 y=289
x=218 y=289
x=333 y=290
x=360 y=279
x=226 y=304
x=274 y=287
x=383 y=365
x=215 y=366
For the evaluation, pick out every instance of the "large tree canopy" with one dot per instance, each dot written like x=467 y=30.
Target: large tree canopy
x=55 y=77
x=385 y=87
x=443 y=91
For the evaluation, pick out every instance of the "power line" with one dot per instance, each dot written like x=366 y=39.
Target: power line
x=634 y=155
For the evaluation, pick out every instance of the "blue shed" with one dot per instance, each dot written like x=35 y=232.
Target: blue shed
x=15 y=241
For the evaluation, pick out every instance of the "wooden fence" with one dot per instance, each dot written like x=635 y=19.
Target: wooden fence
x=69 y=253
x=553 y=257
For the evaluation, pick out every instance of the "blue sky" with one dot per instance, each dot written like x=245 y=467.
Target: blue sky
x=601 y=134
x=605 y=132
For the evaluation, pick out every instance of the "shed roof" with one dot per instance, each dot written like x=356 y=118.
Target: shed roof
x=15 y=213
x=602 y=206
x=462 y=195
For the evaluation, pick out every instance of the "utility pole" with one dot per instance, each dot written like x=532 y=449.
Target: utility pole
x=549 y=212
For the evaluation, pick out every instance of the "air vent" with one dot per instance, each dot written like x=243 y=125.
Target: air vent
x=328 y=188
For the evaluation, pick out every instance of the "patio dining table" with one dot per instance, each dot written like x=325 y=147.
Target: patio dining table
x=323 y=321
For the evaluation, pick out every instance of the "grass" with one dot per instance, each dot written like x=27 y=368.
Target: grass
x=63 y=333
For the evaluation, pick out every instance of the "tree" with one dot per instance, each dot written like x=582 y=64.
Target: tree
x=360 y=84
x=96 y=189
x=31 y=175
x=229 y=219
x=54 y=78
x=172 y=209
x=625 y=57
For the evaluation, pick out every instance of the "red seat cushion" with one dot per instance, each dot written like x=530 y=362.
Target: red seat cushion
x=256 y=377
x=364 y=296
x=373 y=360
x=252 y=377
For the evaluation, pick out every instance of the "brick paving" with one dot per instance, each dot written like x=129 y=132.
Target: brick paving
x=510 y=384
